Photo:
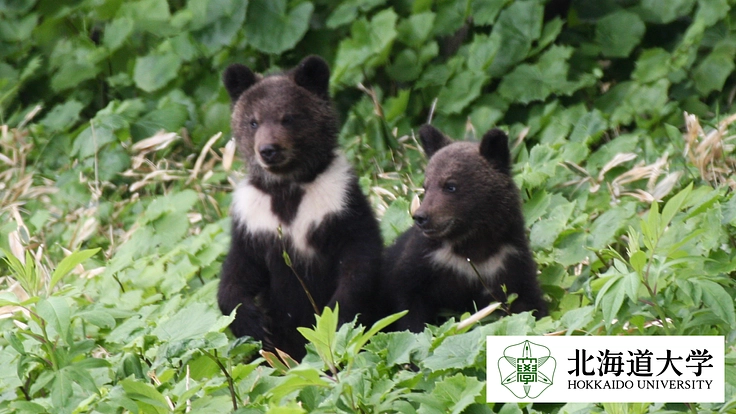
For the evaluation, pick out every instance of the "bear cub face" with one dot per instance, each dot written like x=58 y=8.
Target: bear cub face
x=284 y=123
x=465 y=185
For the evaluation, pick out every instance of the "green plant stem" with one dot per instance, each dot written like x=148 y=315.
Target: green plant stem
x=653 y=292
x=503 y=303
x=287 y=261
x=229 y=378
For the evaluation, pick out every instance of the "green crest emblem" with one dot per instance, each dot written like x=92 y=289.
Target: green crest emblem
x=527 y=369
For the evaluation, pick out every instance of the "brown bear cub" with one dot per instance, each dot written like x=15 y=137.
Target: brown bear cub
x=300 y=197
x=471 y=213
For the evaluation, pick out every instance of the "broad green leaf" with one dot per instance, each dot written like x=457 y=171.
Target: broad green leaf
x=486 y=11
x=405 y=67
x=527 y=83
x=74 y=71
x=712 y=72
x=117 y=32
x=91 y=140
x=463 y=89
x=348 y=11
x=15 y=342
x=169 y=118
x=98 y=318
x=270 y=28
x=149 y=15
x=192 y=321
x=69 y=263
x=638 y=260
x=550 y=32
x=177 y=202
x=610 y=299
x=545 y=231
x=729 y=212
x=292 y=408
x=575 y=319
x=383 y=30
x=61 y=388
x=81 y=375
x=154 y=71
x=451 y=15
x=8 y=298
x=19 y=29
x=717 y=300
x=324 y=334
x=396 y=107
x=517 y=27
x=674 y=205
x=400 y=346
x=619 y=33
x=589 y=128
x=605 y=227
x=149 y=400
x=711 y=11
x=481 y=52
x=217 y=22
x=415 y=30
x=535 y=207
x=632 y=283
x=459 y=351
x=650 y=226
x=652 y=65
x=621 y=144
x=55 y=311
x=457 y=392
x=361 y=340
x=63 y=116
x=297 y=379
x=395 y=220
x=664 y=11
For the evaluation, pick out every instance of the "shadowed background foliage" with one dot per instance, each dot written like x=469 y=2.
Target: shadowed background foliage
x=114 y=145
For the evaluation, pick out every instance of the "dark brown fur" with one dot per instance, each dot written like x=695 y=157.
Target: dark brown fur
x=471 y=212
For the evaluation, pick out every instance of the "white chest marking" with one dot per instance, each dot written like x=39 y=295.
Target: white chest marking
x=327 y=194
x=445 y=257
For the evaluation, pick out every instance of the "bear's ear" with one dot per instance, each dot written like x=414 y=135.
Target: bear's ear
x=432 y=139
x=237 y=79
x=495 y=148
x=313 y=74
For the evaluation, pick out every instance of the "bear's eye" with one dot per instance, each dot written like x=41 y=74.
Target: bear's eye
x=253 y=124
x=450 y=187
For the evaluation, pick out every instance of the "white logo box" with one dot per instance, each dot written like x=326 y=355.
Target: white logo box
x=595 y=369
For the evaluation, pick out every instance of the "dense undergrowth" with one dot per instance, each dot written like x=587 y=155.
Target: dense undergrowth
x=116 y=173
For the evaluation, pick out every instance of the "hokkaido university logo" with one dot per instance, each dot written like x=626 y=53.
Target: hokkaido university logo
x=527 y=369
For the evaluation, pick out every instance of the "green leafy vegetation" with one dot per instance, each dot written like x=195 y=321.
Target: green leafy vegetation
x=117 y=172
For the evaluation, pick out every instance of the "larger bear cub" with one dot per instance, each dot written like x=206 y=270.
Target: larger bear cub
x=301 y=198
x=469 y=237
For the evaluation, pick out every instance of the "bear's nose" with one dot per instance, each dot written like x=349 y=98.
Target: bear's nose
x=420 y=219
x=270 y=153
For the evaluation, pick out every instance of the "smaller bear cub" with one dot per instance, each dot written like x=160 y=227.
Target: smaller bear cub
x=471 y=213
x=301 y=197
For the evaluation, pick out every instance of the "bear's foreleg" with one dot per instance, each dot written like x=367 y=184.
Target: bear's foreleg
x=245 y=285
x=358 y=269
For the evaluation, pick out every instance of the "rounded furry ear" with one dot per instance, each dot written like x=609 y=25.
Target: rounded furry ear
x=237 y=79
x=495 y=148
x=313 y=74
x=432 y=139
